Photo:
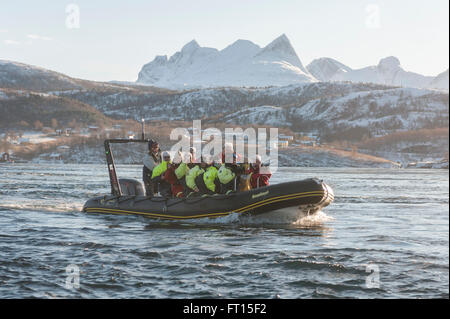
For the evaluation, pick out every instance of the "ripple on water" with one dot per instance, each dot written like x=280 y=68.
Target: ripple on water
x=392 y=219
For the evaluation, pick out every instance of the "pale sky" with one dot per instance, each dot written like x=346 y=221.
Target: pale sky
x=116 y=38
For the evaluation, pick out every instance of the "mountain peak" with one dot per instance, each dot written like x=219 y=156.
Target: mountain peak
x=190 y=46
x=241 y=48
x=324 y=69
x=281 y=48
x=391 y=62
x=282 y=38
x=161 y=59
x=281 y=44
x=242 y=43
x=440 y=81
x=329 y=61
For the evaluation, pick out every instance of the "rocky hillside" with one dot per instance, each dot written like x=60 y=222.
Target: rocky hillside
x=20 y=76
x=342 y=111
x=324 y=108
x=22 y=109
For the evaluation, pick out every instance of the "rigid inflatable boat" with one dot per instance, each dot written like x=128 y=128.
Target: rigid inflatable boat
x=128 y=197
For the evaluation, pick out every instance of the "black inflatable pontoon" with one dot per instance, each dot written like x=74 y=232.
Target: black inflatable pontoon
x=128 y=197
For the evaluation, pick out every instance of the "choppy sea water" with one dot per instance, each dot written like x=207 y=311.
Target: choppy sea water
x=385 y=236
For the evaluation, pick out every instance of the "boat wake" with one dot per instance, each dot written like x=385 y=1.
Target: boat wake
x=287 y=216
x=57 y=207
x=291 y=216
x=313 y=220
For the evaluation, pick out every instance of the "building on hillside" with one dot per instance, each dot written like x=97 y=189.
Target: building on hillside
x=55 y=156
x=283 y=144
x=285 y=137
x=283 y=140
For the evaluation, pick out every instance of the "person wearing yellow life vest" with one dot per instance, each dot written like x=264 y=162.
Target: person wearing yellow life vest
x=151 y=160
x=208 y=182
x=228 y=176
x=158 y=176
x=183 y=169
x=191 y=177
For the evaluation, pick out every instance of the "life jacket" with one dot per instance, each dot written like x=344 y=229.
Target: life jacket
x=209 y=177
x=192 y=174
x=225 y=174
x=159 y=169
x=182 y=170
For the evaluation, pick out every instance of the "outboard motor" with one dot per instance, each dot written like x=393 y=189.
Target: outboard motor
x=131 y=187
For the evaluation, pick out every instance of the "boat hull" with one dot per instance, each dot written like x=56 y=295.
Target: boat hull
x=308 y=195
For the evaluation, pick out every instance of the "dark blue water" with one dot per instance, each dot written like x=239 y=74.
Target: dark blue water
x=385 y=236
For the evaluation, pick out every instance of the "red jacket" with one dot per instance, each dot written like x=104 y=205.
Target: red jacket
x=259 y=179
x=171 y=178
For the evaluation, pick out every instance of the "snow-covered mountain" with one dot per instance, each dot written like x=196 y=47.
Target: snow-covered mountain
x=440 y=82
x=242 y=63
x=389 y=72
x=324 y=69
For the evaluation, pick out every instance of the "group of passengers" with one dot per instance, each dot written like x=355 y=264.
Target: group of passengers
x=184 y=175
